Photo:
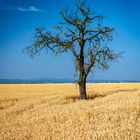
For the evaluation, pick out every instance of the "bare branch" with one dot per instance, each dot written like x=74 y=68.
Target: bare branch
x=104 y=33
x=82 y=33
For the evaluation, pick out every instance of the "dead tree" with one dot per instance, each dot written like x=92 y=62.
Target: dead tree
x=82 y=33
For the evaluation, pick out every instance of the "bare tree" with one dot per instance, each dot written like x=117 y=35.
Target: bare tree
x=82 y=33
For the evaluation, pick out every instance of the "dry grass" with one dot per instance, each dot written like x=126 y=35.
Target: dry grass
x=54 y=112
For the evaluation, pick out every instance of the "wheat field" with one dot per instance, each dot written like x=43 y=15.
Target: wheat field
x=54 y=112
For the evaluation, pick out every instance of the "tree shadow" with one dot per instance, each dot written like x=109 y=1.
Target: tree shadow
x=93 y=96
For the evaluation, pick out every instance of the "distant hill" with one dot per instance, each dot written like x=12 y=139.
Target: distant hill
x=34 y=81
x=52 y=80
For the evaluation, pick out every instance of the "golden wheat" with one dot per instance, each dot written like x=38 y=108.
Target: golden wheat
x=54 y=112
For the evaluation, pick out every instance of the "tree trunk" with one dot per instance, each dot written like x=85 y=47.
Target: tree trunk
x=82 y=89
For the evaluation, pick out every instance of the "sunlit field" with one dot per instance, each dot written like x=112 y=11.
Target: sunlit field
x=54 y=112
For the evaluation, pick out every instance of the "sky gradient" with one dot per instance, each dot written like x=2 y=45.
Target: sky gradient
x=18 y=19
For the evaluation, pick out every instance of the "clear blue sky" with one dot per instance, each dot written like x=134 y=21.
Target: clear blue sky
x=18 y=18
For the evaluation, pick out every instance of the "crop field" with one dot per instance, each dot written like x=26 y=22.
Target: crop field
x=54 y=112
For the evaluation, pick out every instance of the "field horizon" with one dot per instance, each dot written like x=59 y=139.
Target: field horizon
x=55 y=112
x=59 y=80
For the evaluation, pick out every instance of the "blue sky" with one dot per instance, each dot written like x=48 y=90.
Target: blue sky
x=18 y=18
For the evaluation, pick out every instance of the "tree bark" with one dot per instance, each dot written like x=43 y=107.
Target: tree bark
x=82 y=89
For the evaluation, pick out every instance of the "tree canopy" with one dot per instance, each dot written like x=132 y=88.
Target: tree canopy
x=82 y=33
